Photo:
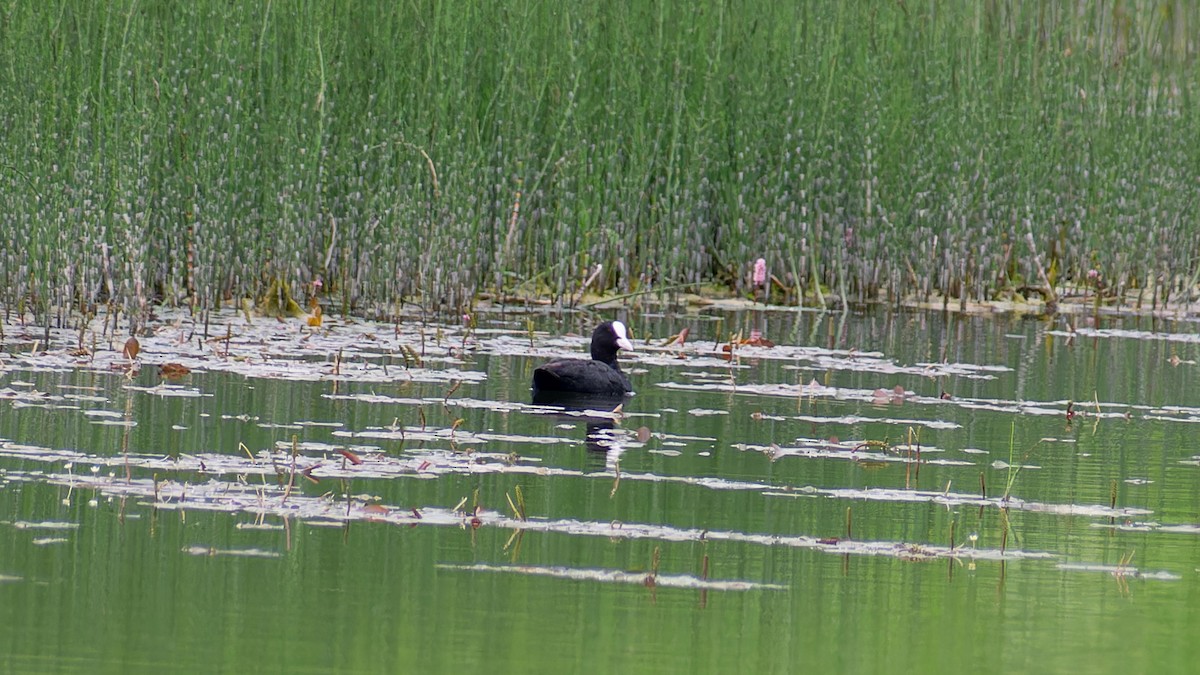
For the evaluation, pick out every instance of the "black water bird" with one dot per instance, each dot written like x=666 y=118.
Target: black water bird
x=600 y=376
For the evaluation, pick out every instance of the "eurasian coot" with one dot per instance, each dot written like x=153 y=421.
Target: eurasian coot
x=601 y=375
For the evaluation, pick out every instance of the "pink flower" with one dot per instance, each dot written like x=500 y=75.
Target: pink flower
x=760 y=272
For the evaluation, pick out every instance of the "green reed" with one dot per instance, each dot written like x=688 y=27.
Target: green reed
x=432 y=152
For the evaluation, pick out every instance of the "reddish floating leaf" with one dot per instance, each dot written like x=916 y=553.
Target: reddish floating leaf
x=132 y=347
x=173 y=370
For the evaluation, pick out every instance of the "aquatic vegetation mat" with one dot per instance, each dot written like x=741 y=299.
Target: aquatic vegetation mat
x=417 y=400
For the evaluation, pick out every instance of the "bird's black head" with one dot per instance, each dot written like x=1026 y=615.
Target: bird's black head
x=609 y=337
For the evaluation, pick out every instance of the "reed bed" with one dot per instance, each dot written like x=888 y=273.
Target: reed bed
x=432 y=152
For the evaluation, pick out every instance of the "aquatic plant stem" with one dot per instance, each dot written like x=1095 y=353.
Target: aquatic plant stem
x=635 y=294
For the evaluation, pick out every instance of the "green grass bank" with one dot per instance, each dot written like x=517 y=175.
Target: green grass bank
x=191 y=152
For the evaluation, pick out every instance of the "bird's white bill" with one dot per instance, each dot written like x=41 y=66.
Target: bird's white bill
x=622 y=336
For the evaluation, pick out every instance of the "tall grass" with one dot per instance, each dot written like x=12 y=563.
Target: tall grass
x=431 y=151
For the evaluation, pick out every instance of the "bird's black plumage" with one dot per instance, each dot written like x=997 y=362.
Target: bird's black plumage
x=601 y=375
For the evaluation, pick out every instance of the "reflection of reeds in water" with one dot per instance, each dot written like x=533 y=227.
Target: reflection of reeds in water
x=193 y=156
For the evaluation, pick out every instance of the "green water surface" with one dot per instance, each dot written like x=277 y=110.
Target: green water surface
x=119 y=586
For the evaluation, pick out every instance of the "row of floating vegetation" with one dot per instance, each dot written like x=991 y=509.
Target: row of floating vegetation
x=435 y=152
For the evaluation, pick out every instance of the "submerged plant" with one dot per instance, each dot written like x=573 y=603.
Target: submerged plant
x=1012 y=470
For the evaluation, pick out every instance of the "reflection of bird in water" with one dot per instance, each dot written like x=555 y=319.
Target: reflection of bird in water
x=602 y=439
x=599 y=414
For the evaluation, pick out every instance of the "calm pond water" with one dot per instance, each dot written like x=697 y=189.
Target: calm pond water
x=833 y=503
